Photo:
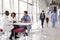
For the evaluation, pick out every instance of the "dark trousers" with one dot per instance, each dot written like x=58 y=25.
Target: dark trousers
x=12 y=31
x=42 y=22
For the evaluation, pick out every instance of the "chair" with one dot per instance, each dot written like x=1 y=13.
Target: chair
x=1 y=33
x=19 y=30
x=1 y=30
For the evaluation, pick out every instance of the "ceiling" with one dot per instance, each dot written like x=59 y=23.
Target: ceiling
x=49 y=1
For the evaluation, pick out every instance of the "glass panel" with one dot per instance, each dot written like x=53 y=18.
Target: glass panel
x=12 y=5
x=17 y=16
x=34 y=12
x=22 y=7
x=6 y=5
x=24 y=0
x=15 y=6
x=30 y=1
x=34 y=7
x=29 y=8
x=0 y=6
x=0 y=17
x=20 y=16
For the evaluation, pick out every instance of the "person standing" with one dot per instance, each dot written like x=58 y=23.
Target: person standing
x=59 y=18
x=53 y=18
x=47 y=18
x=42 y=17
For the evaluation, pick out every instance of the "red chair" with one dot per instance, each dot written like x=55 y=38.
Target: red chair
x=1 y=30
x=19 y=30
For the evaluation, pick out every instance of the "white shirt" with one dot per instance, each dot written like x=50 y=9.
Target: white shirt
x=5 y=24
x=13 y=19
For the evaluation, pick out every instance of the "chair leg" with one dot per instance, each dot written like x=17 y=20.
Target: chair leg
x=14 y=36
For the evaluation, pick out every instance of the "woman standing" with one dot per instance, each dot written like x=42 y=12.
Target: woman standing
x=47 y=19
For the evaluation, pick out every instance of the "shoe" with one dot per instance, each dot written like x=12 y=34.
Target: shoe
x=10 y=38
x=16 y=37
x=26 y=34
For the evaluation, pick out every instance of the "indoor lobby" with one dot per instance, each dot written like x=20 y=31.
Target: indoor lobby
x=34 y=9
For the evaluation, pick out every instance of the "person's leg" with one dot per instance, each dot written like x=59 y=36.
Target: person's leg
x=28 y=28
x=53 y=23
x=12 y=33
x=47 y=21
x=24 y=27
x=42 y=23
x=16 y=27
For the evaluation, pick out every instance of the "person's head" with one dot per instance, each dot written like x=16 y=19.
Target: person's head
x=25 y=13
x=7 y=13
x=13 y=14
x=43 y=11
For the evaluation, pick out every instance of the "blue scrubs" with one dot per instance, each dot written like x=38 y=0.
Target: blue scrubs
x=53 y=19
x=59 y=19
x=26 y=18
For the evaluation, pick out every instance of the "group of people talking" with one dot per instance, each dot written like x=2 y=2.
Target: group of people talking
x=6 y=19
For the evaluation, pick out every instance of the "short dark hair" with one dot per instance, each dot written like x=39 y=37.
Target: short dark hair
x=42 y=10
x=26 y=12
x=13 y=13
x=7 y=13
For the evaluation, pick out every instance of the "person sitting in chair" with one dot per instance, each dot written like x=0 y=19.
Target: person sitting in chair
x=26 y=19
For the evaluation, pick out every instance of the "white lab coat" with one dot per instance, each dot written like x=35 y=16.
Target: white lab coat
x=5 y=24
x=13 y=19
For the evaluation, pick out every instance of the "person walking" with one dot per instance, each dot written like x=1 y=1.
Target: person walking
x=53 y=18
x=47 y=19
x=59 y=18
x=42 y=17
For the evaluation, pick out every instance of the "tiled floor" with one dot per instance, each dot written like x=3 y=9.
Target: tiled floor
x=47 y=33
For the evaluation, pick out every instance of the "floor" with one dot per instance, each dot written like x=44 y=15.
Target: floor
x=47 y=33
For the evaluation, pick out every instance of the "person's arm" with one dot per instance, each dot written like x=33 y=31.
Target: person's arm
x=22 y=19
x=44 y=15
x=29 y=19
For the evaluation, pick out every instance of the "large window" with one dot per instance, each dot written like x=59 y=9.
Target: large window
x=0 y=10
x=23 y=0
x=22 y=6
x=6 y=5
x=29 y=9
x=30 y=1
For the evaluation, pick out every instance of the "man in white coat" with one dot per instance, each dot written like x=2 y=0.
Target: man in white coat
x=5 y=23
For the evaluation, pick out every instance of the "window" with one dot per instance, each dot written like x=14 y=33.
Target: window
x=24 y=0
x=6 y=5
x=15 y=6
x=29 y=8
x=30 y=1
x=0 y=6
x=22 y=7
x=0 y=10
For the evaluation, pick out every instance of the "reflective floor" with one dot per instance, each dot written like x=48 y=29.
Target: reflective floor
x=47 y=33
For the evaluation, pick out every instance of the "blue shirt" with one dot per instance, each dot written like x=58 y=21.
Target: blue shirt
x=59 y=16
x=26 y=18
x=53 y=15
